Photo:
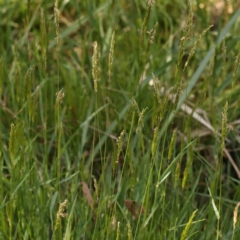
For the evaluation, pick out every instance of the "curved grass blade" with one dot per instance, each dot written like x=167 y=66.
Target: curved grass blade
x=26 y=176
x=170 y=167
x=198 y=72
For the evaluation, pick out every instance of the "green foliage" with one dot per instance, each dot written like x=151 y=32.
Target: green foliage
x=119 y=120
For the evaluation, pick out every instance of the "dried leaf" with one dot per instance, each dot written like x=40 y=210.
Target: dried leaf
x=141 y=210
x=134 y=208
x=131 y=206
x=87 y=193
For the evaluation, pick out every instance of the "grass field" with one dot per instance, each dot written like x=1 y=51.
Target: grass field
x=119 y=119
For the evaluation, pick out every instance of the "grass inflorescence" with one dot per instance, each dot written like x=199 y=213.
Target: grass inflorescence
x=119 y=120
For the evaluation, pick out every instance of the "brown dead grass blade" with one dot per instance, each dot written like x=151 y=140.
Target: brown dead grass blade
x=134 y=208
x=87 y=193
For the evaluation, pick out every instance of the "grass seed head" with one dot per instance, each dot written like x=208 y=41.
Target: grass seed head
x=154 y=142
x=110 y=57
x=224 y=125
x=210 y=66
x=135 y=106
x=186 y=229
x=187 y=35
x=59 y=98
x=177 y=175
x=236 y=65
x=140 y=120
x=95 y=65
x=144 y=27
x=224 y=57
x=170 y=150
x=96 y=188
x=187 y=169
x=61 y=213
x=118 y=231
x=56 y=19
x=193 y=49
x=235 y=215
x=129 y=233
x=119 y=144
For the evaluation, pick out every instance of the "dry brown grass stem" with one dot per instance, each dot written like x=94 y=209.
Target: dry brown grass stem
x=188 y=110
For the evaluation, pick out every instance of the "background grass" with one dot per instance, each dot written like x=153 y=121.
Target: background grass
x=151 y=153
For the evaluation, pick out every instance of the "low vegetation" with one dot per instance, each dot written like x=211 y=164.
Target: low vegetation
x=119 y=119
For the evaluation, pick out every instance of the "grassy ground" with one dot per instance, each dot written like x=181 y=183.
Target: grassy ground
x=119 y=119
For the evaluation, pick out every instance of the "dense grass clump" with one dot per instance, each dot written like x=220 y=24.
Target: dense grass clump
x=119 y=119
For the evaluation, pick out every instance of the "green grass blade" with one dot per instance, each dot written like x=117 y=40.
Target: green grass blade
x=198 y=72
x=19 y=185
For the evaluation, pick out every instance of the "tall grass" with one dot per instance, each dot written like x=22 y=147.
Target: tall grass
x=119 y=120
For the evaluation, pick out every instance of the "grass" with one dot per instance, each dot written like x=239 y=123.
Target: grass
x=119 y=120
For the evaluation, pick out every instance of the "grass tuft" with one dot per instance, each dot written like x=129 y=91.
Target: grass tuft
x=132 y=156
